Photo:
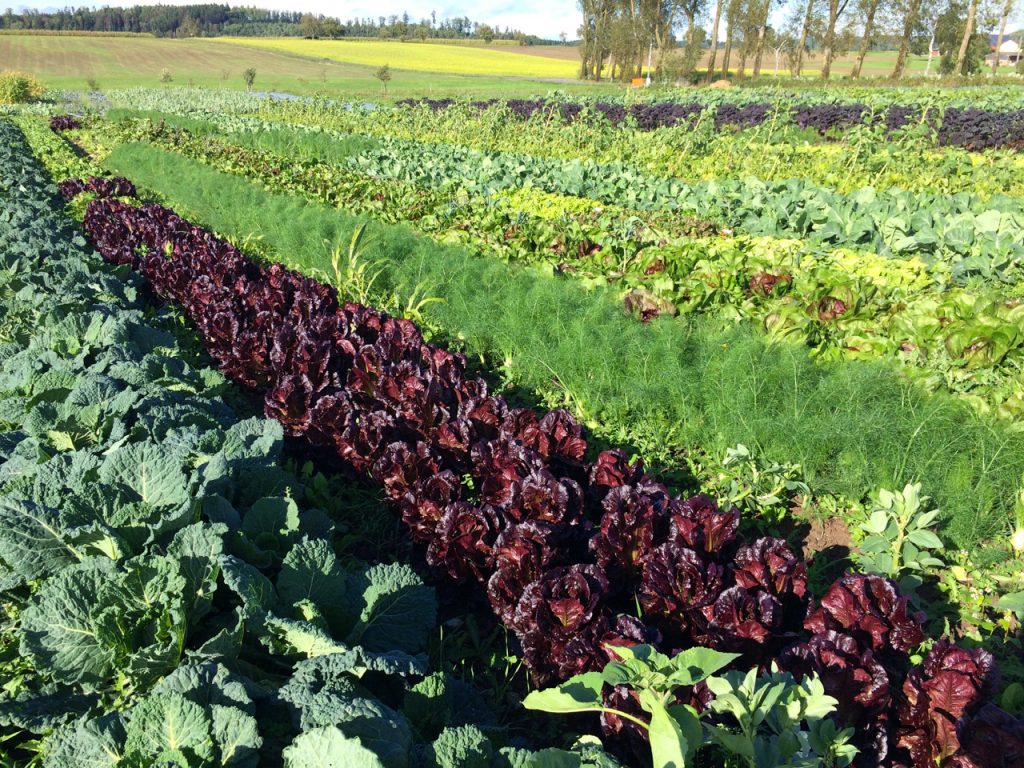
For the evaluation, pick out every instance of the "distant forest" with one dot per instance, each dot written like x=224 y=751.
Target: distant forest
x=212 y=20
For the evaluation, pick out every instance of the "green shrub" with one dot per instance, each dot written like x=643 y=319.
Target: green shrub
x=19 y=88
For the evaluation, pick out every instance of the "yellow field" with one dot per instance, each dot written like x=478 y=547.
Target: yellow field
x=420 y=57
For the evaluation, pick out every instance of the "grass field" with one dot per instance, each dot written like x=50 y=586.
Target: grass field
x=121 y=62
x=424 y=57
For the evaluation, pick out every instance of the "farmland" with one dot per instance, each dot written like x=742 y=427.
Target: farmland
x=425 y=57
x=70 y=61
x=600 y=431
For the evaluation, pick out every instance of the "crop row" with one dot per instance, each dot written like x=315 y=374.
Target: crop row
x=976 y=237
x=566 y=547
x=972 y=129
x=841 y=304
x=170 y=593
x=712 y=387
x=776 y=151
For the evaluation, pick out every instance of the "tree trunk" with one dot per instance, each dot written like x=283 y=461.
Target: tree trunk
x=869 y=22
x=931 y=49
x=741 y=68
x=727 y=55
x=909 y=22
x=835 y=10
x=714 y=42
x=730 y=22
x=803 y=37
x=1002 y=31
x=965 y=43
x=760 y=38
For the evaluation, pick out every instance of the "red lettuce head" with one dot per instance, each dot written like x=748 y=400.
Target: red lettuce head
x=332 y=416
x=401 y=466
x=611 y=470
x=939 y=697
x=676 y=585
x=425 y=503
x=699 y=524
x=555 y=436
x=635 y=520
x=289 y=403
x=463 y=542
x=543 y=497
x=769 y=565
x=871 y=609
x=562 y=603
x=522 y=553
x=857 y=680
x=560 y=618
x=991 y=739
x=748 y=622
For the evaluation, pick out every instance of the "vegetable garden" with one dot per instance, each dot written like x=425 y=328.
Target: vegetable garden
x=513 y=434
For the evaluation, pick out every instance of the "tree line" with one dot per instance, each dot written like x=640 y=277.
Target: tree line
x=623 y=39
x=209 y=20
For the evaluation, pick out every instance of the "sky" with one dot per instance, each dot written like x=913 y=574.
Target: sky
x=544 y=18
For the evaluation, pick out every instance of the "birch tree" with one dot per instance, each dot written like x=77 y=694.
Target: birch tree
x=868 y=8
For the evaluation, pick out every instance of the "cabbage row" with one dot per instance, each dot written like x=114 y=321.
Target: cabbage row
x=573 y=553
x=973 y=129
x=975 y=237
x=170 y=594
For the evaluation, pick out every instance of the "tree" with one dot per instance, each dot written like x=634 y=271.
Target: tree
x=309 y=26
x=868 y=8
x=249 y=76
x=801 y=45
x=384 y=75
x=733 y=15
x=485 y=32
x=835 y=10
x=331 y=28
x=714 y=41
x=910 y=21
x=762 y=28
x=189 y=27
x=1007 y=9
x=564 y=37
x=950 y=27
x=965 y=40
x=779 y=44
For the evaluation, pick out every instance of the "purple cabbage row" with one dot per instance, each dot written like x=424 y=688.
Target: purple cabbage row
x=566 y=549
x=60 y=123
x=972 y=129
x=117 y=186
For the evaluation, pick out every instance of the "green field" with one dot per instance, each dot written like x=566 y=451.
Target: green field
x=119 y=62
